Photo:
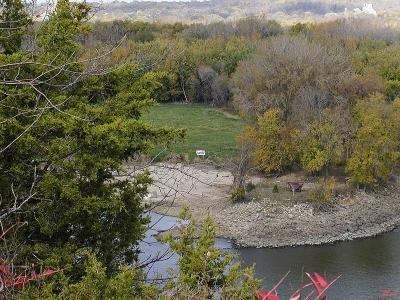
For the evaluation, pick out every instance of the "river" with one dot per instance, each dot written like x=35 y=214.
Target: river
x=369 y=268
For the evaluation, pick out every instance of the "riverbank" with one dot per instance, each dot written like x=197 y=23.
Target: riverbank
x=271 y=221
x=269 y=224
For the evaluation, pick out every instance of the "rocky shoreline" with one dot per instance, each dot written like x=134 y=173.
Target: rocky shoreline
x=252 y=224
x=271 y=225
x=272 y=222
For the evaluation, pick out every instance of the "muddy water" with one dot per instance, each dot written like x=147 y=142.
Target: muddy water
x=370 y=268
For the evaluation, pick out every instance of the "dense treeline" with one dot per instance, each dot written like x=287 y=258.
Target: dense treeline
x=301 y=88
x=199 y=59
x=114 y=32
x=187 y=52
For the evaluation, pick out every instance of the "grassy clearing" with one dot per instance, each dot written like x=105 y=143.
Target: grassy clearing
x=207 y=129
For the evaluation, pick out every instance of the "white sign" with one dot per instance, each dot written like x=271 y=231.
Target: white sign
x=201 y=152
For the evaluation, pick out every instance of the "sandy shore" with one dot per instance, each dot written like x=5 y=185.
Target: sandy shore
x=268 y=222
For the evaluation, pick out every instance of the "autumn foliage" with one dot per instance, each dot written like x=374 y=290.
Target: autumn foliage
x=320 y=285
x=16 y=277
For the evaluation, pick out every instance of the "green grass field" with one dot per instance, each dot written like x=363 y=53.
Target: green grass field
x=208 y=129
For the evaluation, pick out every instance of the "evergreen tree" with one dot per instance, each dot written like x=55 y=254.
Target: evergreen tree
x=13 y=22
x=65 y=133
x=206 y=272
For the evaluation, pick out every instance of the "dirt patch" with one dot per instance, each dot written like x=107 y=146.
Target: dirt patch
x=200 y=186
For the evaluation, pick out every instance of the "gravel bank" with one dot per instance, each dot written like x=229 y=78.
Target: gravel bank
x=270 y=223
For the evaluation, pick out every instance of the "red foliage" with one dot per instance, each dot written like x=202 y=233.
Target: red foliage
x=267 y=295
x=9 y=279
x=320 y=283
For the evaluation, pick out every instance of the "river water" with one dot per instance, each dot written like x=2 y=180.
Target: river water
x=369 y=268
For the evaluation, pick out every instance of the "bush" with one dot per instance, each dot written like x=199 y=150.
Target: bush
x=324 y=192
x=238 y=194
x=275 y=189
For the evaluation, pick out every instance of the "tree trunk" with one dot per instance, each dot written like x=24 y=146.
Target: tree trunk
x=326 y=172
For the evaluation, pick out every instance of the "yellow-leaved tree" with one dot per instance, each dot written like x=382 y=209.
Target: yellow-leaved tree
x=321 y=146
x=376 y=149
x=275 y=149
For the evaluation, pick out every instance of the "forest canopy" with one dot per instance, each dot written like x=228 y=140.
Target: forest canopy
x=312 y=79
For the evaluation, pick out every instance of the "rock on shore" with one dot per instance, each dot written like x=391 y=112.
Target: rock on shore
x=270 y=224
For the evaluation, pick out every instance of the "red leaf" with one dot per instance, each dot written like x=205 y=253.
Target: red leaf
x=267 y=295
x=5 y=269
x=19 y=281
x=34 y=276
x=319 y=282
x=48 y=272
x=11 y=280
x=262 y=295
x=7 y=230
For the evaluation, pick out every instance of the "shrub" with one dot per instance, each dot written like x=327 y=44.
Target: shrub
x=275 y=189
x=238 y=194
x=324 y=192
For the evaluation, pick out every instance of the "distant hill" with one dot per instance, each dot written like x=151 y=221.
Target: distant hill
x=286 y=11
